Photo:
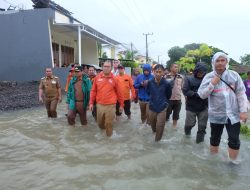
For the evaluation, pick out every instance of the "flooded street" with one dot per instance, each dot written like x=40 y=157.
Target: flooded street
x=40 y=153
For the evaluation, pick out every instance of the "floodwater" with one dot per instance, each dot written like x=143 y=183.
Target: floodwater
x=40 y=153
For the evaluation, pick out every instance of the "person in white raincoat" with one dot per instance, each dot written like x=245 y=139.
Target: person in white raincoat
x=227 y=103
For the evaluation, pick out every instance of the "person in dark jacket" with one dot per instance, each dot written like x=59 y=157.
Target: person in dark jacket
x=159 y=93
x=195 y=106
x=141 y=83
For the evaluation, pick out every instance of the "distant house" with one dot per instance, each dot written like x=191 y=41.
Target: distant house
x=142 y=59
x=241 y=69
x=32 y=40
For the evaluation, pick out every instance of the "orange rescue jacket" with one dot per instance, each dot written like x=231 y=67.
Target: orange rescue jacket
x=106 y=90
x=127 y=85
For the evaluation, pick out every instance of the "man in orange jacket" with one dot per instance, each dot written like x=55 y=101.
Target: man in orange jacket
x=127 y=86
x=69 y=77
x=106 y=91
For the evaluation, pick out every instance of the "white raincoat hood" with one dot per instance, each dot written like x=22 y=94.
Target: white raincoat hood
x=217 y=55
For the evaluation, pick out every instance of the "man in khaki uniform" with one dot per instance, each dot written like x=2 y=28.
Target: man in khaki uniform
x=176 y=80
x=50 y=92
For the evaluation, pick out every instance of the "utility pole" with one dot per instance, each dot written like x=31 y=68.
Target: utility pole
x=132 y=53
x=159 y=59
x=147 y=44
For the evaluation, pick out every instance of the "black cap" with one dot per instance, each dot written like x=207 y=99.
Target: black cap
x=120 y=67
x=78 y=68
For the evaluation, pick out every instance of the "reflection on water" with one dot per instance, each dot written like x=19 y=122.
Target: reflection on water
x=40 y=153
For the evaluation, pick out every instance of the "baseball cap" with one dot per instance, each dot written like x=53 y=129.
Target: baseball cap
x=120 y=67
x=78 y=68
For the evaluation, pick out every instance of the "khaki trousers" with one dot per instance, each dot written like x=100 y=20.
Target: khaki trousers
x=157 y=122
x=51 y=107
x=144 y=111
x=82 y=114
x=105 y=117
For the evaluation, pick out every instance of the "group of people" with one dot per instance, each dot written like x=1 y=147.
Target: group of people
x=219 y=96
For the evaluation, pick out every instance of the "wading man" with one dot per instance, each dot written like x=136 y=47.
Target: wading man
x=78 y=96
x=50 y=92
x=106 y=91
x=227 y=103
x=159 y=93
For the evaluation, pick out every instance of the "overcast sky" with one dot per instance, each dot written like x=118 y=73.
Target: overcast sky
x=220 y=23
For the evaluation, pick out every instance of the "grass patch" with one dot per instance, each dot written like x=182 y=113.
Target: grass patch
x=245 y=130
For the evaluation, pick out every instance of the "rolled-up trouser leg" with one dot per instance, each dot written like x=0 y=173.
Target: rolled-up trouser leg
x=143 y=108
x=94 y=111
x=152 y=119
x=117 y=112
x=71 y=117
x=47 y=105
x=160 y=125
x=109 y=118
x=53 y=106
x=233 y=132
x=127 y=106
x=82 y=113
x=100 y=116
x=176 y=109
x=216 y=132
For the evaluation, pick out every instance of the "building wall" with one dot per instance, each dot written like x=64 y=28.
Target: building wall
x=89 y=51
x=25 y=48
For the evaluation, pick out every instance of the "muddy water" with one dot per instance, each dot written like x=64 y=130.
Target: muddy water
x=40 y=153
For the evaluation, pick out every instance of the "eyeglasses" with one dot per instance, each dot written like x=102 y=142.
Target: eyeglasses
x=106 y=66
x=220 y=60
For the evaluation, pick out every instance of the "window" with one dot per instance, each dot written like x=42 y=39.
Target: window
x=67 y=56
x=55 y=48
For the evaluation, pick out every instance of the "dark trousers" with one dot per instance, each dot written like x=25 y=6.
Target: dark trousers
x=94 y=110
x=233 y=132
x=81 y=111
x=175 y=107
x=127 y=106
x=51 y=107
x=202 y=118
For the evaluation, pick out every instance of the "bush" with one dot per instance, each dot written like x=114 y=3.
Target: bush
x=245 y=130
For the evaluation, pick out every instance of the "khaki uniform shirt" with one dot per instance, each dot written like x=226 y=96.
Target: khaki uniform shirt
x=50 y=86
x=177 y=86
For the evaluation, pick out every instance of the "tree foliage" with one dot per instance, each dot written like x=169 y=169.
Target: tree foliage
x=104 y=55
x=203 y=51
x=186 y=64
x=127 y=58
x=99 y=49
x=245 y=60
x=192 y=46
x=190 y=54
x=175 y=53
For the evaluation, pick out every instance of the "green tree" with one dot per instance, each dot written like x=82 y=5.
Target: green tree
x=186 y=64
x=175 y=53
x=104 y=55
x=192 y=46
x=99 y=49
x=245 y=60
x=202 y=51
x=127 y=58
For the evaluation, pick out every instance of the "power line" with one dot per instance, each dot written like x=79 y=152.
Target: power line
x=121 y=11
x=140 y=13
